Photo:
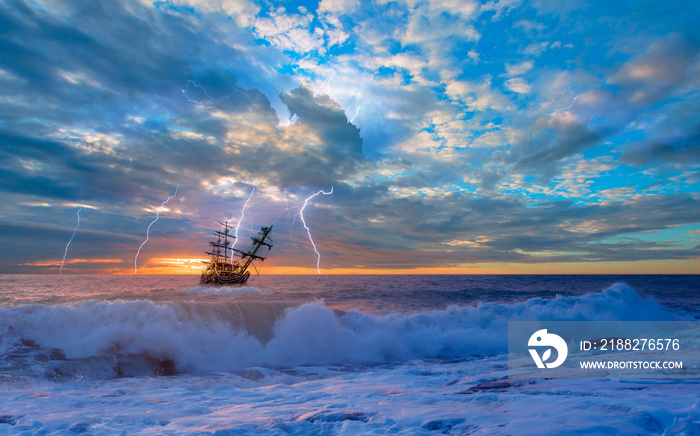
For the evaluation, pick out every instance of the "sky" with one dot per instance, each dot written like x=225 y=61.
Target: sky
x=550 y=136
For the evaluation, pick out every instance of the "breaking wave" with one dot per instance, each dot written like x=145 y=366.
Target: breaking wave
x=100 y=339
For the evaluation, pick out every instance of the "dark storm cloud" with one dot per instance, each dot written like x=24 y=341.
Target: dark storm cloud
x=644 y=154
x=113 y=56
x=462 y=229
x=79 y=69
x=54 y=233
x=139 y=163
x=41 y=238
x=122 y=58
x=329 y=121
x=321 y=149
x=56 y=170
x=683 y=150
x=658 y=85
x=341 y=149
x=122 y=167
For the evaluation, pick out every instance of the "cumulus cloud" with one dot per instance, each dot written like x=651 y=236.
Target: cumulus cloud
x=292 y=32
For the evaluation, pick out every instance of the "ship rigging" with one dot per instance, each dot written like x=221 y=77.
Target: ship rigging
x=230 y=266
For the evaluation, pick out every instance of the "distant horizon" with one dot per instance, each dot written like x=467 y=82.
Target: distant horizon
x=82 y=273
x=185 y=266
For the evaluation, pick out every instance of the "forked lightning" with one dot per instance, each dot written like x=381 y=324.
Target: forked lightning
x=60 y=271
x=148 y=230
x=308 y=231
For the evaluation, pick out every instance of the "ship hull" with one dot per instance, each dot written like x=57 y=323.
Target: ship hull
x=224 y=279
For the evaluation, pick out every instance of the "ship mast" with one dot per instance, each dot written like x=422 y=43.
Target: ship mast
x=258 y=242
x=217 y=245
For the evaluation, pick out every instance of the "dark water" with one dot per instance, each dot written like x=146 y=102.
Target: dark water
x=366 y=293
x=421 y=292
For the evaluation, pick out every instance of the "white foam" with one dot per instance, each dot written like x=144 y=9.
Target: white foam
x=416 y=397
x=202 y=337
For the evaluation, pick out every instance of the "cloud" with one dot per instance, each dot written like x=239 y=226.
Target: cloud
x=340 y=142
x=665 y=61
x=241 y=10
x=478 y=96
x=651 y=75
x=680 y=151
x=529 y=25
x=537 y=48
x=451 y=155
x=539 y=149
x=291 y=32
x=519 y=69
x=518 y=85
x=501 y=7
x=338 y=6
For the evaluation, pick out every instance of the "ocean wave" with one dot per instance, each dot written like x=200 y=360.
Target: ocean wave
x=99 y=339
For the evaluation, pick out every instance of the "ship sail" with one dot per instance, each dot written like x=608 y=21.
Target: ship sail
x=230 y=266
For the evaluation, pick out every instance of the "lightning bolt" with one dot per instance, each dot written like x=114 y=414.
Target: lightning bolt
x=149 y=228
x=202 y=103
x=325 y=83
x=308 y=231
x=557 y=110
x=240 y=220
x=591 y=120
x=294 y=119
x=357 y=112
x=166 y=110
x=60 y=271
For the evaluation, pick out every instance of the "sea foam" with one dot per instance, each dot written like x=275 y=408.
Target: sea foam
x=99 y=339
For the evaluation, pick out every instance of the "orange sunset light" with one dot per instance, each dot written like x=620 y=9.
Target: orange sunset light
x=183 y=265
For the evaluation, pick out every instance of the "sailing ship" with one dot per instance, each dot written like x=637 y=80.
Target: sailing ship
x=230 y=266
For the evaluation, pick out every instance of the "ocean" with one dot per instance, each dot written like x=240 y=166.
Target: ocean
x=331 y=354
